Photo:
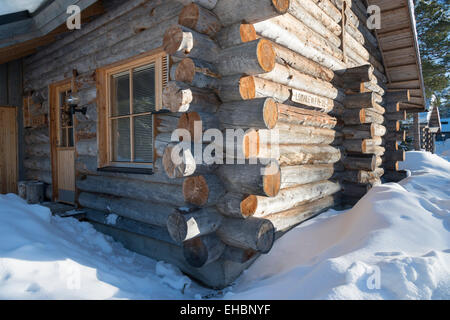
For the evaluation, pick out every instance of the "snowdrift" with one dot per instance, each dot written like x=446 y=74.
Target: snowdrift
x=394 y=244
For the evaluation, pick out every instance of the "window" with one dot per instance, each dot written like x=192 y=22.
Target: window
x=65 y=134
x=128 y=95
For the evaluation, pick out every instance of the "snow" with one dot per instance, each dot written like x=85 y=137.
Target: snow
x=394 y=244
x=45 y=257
x=443 y=149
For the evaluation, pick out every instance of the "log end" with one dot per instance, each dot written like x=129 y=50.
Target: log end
x=248 y=32
x=281 y=6
x=251 y=144
x=187 y=121
x=189 y=16
x=272 y=179
x=173 y=39
x=266 y=55
x=196 y=190
x=270 y=113
x=175 y=98
x=185 y=71
x=266 y=236
x=177 y=227
x=178 y=165
x=249 y=205
x=195 y=252
x=247 y=87
x=362 y=116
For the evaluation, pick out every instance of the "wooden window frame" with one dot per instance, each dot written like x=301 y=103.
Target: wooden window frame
x=104 y=76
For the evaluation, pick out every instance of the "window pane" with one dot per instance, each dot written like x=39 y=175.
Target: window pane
x=143 y=133
x=120 y=140
x=70 y=137
x=144 y=89
x=63 y=138
x=120 y=94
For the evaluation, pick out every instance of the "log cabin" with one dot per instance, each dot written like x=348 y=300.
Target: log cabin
x=90 y=113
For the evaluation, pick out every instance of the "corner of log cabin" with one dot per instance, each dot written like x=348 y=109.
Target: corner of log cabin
x=309 y=72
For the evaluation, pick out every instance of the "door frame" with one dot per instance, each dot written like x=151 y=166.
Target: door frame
x=16 y=138
x=54 y=90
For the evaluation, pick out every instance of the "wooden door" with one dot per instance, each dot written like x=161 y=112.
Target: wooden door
x=8 y=150
x=63 y=144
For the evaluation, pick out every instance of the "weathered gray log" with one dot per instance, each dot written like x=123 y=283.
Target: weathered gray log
x=38 y=150
x=40 y=175
x=354 y=117
x=285 y=220
x=258 y=179
x=230 y=205
x=392 y=107
x=301 y=63
x=395 y=176
x=146 y=212
x=181 y=97
x=166 y=122
x=139 y=190
x=314 y=18
x=257 y=113
x=184 y=166
x=238 y=255
x=238 y=87
x=37 y=136
x=401 y=115
x=258 y=206
x=183 y=226
x=197 y=73
x=392 y=125
x=368 y=163
x=299 y=154
x=355 y=189
x=296 y=134
x=207 y=4
x=122 y=223
x=236 y=34
x=38 y=163
x=292 y=34
x=250 y=11
x=196 y=123
x=362 y=145
x=395 y=155
x=362 y=73
x=397 y=96
x=197 y=18
x=292 y=176
x=250 y=58
x=361 y=176
x=373 y=117
x=202 y=251
x=253 y=233
x=288 y=76
x=360 y=100
x=202 y=190
x=301 y=116
x=364 y=131
x=395 y=136
x=390 y=165
x=183 y=42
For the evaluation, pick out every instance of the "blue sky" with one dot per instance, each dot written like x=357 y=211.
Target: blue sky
x=10 y=6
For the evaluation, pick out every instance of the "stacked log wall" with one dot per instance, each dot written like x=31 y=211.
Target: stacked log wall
x=263 y=66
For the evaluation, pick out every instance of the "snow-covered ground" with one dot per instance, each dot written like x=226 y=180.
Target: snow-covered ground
x=394 y=244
